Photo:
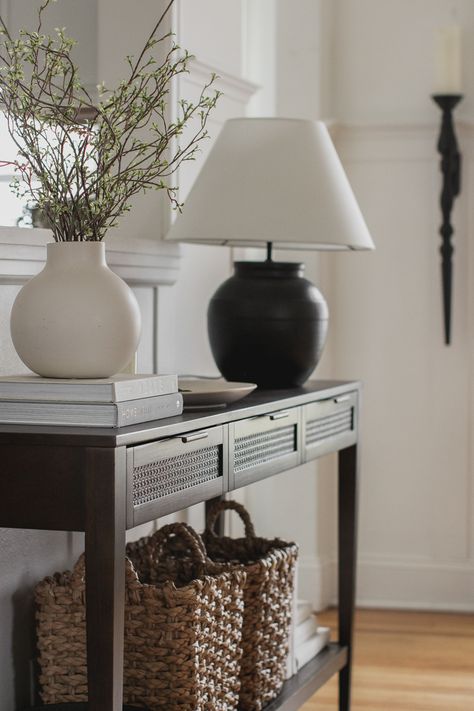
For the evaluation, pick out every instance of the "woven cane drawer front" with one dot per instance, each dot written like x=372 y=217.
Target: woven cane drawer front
x=264 y=446
x=329 y=425
x=174 y=473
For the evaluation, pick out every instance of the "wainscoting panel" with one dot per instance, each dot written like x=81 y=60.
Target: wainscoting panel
x=416 y=541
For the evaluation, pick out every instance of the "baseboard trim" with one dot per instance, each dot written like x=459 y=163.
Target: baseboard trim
x=384 y=583
x=416 y=585
x=420 y=606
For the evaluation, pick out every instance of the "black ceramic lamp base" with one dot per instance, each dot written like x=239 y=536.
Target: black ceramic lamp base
x=267 y=325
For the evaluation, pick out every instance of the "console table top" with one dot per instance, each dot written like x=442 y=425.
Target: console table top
x=259 y=402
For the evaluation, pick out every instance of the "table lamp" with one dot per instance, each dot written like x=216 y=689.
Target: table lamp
x=270 y=181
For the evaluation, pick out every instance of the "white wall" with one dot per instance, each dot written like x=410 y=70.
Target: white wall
x=204 y=268
x=416 y=537
x=297 y=505
x=367 y=66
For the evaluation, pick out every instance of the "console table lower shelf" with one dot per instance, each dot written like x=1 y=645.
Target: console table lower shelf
x=310 y=678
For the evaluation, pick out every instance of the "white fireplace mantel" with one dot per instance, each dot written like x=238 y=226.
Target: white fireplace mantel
x=140 y=262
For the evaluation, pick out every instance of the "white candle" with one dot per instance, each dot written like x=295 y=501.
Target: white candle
x=448 y=60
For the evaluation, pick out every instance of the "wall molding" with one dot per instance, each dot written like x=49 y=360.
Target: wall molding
x=401 y=143
x=233 y=86
x=391 y=583
x=140 y=262
x=415 y=584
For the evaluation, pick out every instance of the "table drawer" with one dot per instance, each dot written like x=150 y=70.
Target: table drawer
x=171 y=474
x=329 y=425
x=263 y=446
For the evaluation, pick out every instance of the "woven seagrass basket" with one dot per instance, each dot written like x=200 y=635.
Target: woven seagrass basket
x=270 y=567
x=182 y=633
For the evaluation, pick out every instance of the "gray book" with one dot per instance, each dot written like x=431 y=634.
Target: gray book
x=118 y=388
x=121 y=414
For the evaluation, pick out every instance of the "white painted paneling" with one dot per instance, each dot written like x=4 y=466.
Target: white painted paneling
x=469 y=183
x=298 y=505
x=212 y=30
x=416 y=541
x=203 y=268
x=260 y=54
x=123 y=29
x=416 y=506
x=10 y=362
x=145 y=354
x=302 y=33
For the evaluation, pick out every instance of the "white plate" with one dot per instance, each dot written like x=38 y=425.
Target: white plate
x=200 y=394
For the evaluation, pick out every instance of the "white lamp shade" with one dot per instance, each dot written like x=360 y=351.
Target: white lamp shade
x=273 y=180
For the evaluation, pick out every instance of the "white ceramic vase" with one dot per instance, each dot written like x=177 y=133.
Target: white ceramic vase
x=76 y=318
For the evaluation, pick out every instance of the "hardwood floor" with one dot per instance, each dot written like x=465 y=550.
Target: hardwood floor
x=415 y=661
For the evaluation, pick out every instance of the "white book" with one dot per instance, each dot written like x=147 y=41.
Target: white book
x=84 y=414
x=306 y=629
x=119 y=388
x=304 y=609
x=309 y=649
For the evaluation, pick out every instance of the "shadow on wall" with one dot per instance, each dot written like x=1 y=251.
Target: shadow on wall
x=19 y=688
x=23 y=645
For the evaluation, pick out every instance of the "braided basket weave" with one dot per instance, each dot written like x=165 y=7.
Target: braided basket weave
x=270 y=567
x=182 y=633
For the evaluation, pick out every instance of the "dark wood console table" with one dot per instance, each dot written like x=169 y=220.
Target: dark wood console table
x=104 y=481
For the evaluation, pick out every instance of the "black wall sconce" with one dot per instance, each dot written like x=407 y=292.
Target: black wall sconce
x=451 y=171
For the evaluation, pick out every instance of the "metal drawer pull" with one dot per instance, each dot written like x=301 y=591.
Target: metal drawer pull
x=279 y=415
x=194 y=437
x=342 y=398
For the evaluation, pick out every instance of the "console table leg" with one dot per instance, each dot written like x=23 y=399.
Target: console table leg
x=347 y=524
x=105 y=576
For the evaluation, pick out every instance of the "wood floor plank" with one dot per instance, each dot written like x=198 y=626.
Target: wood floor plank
x=407 y=661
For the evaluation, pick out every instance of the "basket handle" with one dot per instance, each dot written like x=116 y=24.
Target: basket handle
x=79 y=570
x=182 y=530
x=221 y=506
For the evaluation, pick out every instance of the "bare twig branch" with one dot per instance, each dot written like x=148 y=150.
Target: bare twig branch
x=82 y=163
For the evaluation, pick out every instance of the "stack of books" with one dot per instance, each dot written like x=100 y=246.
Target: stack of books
x=307 y=638
x=106 y=402
x=310 y=637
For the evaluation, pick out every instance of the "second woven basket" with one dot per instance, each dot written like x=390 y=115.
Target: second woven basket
x=268 y=592
x=182 y=630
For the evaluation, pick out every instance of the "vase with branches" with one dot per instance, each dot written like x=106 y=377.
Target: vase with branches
x=81 y=159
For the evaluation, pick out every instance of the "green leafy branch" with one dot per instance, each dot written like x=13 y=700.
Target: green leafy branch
x=81 y=161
